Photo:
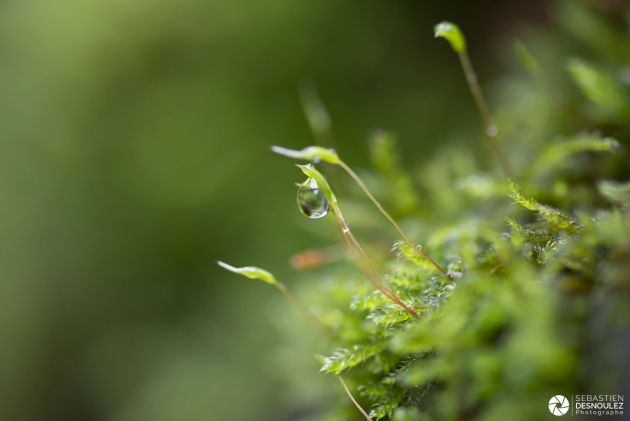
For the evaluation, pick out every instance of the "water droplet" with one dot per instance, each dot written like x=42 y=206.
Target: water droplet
x=312 y=200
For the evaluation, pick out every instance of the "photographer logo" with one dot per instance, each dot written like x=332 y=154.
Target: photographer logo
x=558 y=405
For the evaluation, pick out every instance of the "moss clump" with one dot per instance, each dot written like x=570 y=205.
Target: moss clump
x=536 y=298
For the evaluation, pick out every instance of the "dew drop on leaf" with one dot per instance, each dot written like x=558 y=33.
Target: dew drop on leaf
x=312 y=200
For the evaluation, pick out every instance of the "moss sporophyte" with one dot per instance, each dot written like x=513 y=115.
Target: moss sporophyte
x=456 y=39
x=318 y=154
x=253 y=272
x=535 y=253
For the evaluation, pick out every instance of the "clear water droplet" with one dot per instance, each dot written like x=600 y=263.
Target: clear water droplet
x=311 y=200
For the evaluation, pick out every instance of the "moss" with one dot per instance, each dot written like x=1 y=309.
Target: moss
x=533 y=304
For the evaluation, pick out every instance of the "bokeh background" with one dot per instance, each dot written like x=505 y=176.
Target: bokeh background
x=134 y=152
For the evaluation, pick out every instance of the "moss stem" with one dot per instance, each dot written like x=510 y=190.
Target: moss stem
x=490 y=128
x=304 y=310
x=370 y=271
x=354 y=401
x=386 y=214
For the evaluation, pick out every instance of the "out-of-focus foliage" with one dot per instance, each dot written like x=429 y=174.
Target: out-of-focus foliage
x=133 y=155
x=538 y=303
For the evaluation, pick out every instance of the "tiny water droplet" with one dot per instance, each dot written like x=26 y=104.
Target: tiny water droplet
x=311 y=200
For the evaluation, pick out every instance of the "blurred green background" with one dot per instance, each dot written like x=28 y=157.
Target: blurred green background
x=134 y=142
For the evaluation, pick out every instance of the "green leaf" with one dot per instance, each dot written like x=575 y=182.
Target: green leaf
x=315 y=154
x=553 y=216
x=401 y=248
x=369 y=302
x=534 y=237
x=558 y=152
x=406 y=276
x=615 y=192
x=386 y=407
x=452 y=34
x=345 y=358
x=389 y=315
x=529 y=61
x=598 y=87
x=251 y=272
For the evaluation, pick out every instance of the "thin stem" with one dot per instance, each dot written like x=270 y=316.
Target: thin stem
x=370 y=272
x=354 y=401
x=386 y=291
x=384 y=287
x=490 y=128
x=377 y=283
x=304 y=310
x=405 y=237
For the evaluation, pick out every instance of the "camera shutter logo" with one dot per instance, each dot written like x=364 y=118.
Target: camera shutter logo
x=558 y=405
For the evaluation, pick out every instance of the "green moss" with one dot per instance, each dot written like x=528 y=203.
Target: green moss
x=538 y=268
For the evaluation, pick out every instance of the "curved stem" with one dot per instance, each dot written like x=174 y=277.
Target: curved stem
x=384 y=288
x=490 y=128
x=379 y=284
x=405 y=237
x=370 y=272
x=354 y=401
x=304 y=310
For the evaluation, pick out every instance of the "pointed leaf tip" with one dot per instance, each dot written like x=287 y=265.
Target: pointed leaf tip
x=251 y=272
x=452 y=34
x=312 y=153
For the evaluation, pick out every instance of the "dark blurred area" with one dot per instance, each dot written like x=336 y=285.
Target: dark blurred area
x=134 y=152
